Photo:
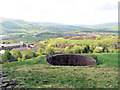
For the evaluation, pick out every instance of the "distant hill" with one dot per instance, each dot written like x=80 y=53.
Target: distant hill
x=10 y=26
x=106 y=26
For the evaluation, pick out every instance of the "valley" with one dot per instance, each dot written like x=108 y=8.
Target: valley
x=27 y=45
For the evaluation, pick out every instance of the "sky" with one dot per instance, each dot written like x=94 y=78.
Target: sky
x=72 y=12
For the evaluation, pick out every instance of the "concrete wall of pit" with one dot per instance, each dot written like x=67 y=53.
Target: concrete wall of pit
x=71 y=60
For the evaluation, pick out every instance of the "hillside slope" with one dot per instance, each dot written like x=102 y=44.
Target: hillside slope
x=19 y=26
x=10 y=26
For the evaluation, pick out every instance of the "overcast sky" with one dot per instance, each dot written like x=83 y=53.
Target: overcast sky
x=61 y=11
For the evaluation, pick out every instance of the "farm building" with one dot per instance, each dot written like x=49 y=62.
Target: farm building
x=16 y=45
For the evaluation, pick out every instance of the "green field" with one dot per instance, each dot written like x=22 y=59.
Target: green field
x=37 y=73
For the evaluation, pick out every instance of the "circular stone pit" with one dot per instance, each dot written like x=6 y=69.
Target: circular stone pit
x=71 y=60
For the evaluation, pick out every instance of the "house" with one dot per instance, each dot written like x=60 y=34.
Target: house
x=16 y=45
x=11 y=46
x=2 y=51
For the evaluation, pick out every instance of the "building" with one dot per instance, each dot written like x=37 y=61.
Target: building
x=2 y=51
x=11 y=46
x=16 y=46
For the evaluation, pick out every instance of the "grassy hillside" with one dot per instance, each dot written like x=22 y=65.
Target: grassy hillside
x=107 y=26
x=10 y=26
x=19 y=26
x=37 y=73
x=31 y=38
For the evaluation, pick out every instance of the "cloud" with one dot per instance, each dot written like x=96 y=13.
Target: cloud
x=109 y=6
x=61 y=11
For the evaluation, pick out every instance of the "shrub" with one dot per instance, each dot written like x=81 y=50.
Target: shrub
x=96 y=51
x=50 y=50
x=7 y=55
x=19 y=55
x=16 y=54
x=76 y=49
x=118 y=51
x=39 y=56
x=19 y=59
x=29 y=53
x=66 y=50
x=105 y=50
x=40 y=51
x=86 y=49
x=90 y=51
x=23 y=57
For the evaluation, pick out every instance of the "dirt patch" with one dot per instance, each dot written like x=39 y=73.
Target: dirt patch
x=71 y=60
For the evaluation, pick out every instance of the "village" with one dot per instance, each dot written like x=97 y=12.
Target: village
x=22 y=46
x=59 y=44
x=90 y=33
x=78 y=53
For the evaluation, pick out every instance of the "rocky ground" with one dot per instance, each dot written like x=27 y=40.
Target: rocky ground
x=4 y=81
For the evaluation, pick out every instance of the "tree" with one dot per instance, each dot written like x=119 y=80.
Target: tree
x=35 y=41
x=99 y=44
x=19 y=59
x=23 y=57
x=50 y=50
x=76 y=49
x=86 y=49
x=7 y=42
x=29 y=53
x=19 y=55
x=90 y=51
x=67 y=49
x=96 y=51
x=40 y=51
x=82 y=49
x=118 y=51
x=7 y=55
x=105 y=49
x=14 y=53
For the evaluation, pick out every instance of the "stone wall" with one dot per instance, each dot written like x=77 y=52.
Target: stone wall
x=5 y=83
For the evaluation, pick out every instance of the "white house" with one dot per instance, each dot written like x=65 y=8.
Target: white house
x=2 y=51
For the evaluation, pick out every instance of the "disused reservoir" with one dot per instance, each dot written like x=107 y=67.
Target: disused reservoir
x=71 y=60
